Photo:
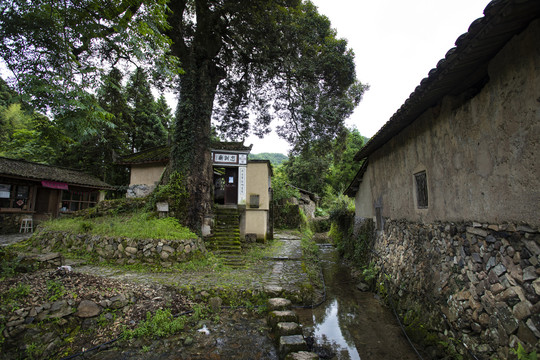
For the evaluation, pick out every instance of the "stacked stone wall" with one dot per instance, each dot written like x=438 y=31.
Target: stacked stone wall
x=465 y=283
x=124 y=250
x=10 y=223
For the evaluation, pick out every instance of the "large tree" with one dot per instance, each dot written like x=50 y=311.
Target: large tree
x=276 y=59
x=273 y=59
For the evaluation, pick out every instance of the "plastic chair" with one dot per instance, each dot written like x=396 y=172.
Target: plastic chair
x=27 y=224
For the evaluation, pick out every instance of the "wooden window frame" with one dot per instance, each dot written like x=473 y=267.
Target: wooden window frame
x=421 y=189
x=82 y=199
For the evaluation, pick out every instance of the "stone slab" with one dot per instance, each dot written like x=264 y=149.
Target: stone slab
x=279 y=304
x=302 y=355
x=288 y=328
x=275 y=317
x=291 y=343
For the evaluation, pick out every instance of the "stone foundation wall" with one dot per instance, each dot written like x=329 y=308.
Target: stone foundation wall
x=139 y=190
x=124 y=250
x=483 y=278
x=10 y=223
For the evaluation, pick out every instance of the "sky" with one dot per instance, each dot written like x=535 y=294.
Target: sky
x=396 y=43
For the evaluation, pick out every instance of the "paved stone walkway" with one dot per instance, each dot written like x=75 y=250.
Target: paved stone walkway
x=6 y=240
x=282 y=267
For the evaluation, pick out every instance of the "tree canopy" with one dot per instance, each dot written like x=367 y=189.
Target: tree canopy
x=245 y=65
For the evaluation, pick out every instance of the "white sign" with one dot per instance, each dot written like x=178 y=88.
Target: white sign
x=226 y=158
x=243 y=159
x=162 y=206
x=242 y=185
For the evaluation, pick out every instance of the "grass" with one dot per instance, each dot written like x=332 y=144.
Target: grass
x=138 y=225
x=160 y=324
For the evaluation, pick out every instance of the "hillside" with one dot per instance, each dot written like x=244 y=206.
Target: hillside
x=275 y=158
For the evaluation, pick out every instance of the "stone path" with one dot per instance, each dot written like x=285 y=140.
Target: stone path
x=10 y=239
x=281 y=269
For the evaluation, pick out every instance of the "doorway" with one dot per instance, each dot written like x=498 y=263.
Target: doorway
x=226 y=185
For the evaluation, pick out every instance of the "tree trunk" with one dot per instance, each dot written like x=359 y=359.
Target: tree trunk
x=191 y=144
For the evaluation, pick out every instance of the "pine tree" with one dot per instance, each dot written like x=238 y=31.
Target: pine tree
x=148 y=130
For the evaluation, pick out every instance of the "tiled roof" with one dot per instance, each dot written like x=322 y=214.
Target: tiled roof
x=355 y=184
x=463 y=66
x=162 y=153
x=155 y=155
x=230 y=145
x=30 y=170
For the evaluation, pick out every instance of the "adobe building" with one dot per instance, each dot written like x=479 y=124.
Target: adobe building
x=452 y=183
x=40 y=192
x=239 y=183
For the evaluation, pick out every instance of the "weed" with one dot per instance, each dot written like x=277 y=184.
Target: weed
x=522 y=353
x=55 y=289
x=138 y=225
x=158 y=325
x=33 y=351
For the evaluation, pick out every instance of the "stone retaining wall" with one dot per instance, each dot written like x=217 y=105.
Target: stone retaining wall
x=123 y=249
x=10 y=223
x=483 y=278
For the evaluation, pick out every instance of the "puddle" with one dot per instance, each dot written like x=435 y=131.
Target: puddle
x=351 y=324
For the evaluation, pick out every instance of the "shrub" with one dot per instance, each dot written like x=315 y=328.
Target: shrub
x=353 y=246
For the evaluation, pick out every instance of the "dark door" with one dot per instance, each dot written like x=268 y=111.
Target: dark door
x=231 y=186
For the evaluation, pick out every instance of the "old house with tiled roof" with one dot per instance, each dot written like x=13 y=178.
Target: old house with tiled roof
x=452 y=182
x=40 y=192
x=240 y=185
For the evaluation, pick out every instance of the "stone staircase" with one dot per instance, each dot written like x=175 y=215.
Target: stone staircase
x=287 y=331
x=225 y=240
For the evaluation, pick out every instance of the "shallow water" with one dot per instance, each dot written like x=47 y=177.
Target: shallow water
x=351 y=324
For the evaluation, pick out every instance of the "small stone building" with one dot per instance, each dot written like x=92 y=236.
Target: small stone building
x=452 y=182
x=238 y=183
x=40 y=192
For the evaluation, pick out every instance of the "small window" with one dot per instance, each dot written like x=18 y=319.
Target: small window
x=421 y=190
x=254 y=201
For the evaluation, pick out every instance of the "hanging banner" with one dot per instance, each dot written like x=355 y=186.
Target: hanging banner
x=54 y=185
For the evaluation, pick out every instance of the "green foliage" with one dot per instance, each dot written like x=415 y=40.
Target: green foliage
x=356 y=248
x=281 y=188
x=147 y=129
x=33 y=351
x=275 y=158
x=309 y=169
x=161 y=324
x=333 y=163
x=57 y=50
x=175 y=193
x=14 y=294
x=9 y=262
x=139 y=225
x=55 y=289
x=343 y=167
x=522 y=353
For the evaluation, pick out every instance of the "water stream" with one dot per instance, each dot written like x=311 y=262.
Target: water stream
x=351 y=324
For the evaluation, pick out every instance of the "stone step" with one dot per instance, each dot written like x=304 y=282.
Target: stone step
x=288 y=328
x=302 y=355
x=291 y=343
x=279 y=304
x=277 y=316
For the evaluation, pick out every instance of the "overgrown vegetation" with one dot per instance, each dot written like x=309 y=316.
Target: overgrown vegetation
x=175 y=193
x=354 y=246
x=162 y=323
x=138 y=225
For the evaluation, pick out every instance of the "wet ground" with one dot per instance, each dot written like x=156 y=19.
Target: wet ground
x=349 y=324
x=352 y=324
x=10 y=239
